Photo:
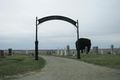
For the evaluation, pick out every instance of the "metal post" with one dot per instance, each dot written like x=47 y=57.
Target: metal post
x=78 y=51
x=36 y=44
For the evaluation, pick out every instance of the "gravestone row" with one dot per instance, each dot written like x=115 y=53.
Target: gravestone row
x=95 y=50
x=66 y=52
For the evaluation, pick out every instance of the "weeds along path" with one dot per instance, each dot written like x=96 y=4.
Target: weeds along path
x=68 y=69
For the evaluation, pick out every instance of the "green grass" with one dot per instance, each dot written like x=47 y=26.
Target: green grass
x=111 y=61
x=19 y=64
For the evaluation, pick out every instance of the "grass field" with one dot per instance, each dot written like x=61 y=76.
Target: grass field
x=111 y=61
x=19 y=64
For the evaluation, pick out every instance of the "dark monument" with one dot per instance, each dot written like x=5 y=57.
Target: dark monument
x=55 y=17
x=10 y=52
x=2 y=54
x=82 y=43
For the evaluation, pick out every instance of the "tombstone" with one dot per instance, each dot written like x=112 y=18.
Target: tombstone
x=12 y=54
x=101 y=52
x=68 y=53
x=95 y=50
x=68 y=48
x=58 y=51
x=75 y=53
x=26 y=51
x=112 y=49
x=61 y=51
x=10 y=51
x=65 y=53
x=2 y=55
x=31 y=54
x=86 y=50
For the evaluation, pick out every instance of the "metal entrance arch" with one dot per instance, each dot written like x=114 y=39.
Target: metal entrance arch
x=56 y=17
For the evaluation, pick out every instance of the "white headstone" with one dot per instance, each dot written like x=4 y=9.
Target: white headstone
x=65 y=53
x=101 y=51
x=58 y=51
x=86 y=50
x=75 y=54
x=61 y=51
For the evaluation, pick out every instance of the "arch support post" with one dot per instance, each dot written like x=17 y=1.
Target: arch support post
x=36 y=44
x=78 y=51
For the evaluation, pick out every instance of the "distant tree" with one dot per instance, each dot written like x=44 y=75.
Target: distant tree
x=82 y=43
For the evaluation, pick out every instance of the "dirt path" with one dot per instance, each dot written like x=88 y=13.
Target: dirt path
x=68 y=69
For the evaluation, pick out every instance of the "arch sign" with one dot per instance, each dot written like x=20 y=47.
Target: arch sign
x=56 y=17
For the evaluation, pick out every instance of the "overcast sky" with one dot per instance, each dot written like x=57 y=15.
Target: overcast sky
x=99 y=20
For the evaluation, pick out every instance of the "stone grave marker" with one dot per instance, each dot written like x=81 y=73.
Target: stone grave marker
x=2 y=55
x=10 y=51
x=68 y=53
x=61 y=51
x=101 y=51
x=31 y=54
x=58 y=51
x=75 y=53
x=95 y=50
x=86 y=50
x=68 y=48
x=112 y=49
x=65 y=53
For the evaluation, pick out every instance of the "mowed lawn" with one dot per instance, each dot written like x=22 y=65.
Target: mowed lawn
x=19 y=64
x=107 y=60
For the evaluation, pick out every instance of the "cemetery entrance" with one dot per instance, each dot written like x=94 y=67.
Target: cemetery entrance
x=56 y=17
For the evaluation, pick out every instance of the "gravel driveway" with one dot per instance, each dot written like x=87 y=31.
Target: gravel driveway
x=68 y=69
